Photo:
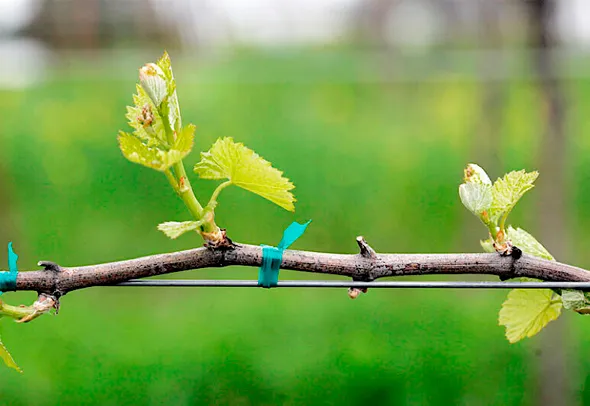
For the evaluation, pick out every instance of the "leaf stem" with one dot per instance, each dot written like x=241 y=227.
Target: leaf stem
x=503 y=219
x=213 y=200
x=172 y=180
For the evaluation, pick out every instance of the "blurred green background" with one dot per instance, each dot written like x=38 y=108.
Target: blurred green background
x=372 y=150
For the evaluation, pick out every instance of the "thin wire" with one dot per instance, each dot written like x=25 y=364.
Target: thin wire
x=351 y=284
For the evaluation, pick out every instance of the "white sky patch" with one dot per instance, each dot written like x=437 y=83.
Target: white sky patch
x=15 y=14
x=260 y=21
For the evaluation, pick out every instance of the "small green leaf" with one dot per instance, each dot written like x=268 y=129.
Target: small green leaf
x=165 y=64
x=7 y=358
x=175 y=229
x=244 y=168
x=145 y=119
x=527 y=243
x=138 y=152
x=185 y=139
x=477 y=197
x=508 y=190
x=573 y=299
x=526 y=311
x=154 y=157
x=576 y=300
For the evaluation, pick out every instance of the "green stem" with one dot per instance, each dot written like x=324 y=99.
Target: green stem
x=186 y=192
x=213 y=200
x=493 y=230
x=183 y=185
x=16 y=312
x=181 y=182
x=172 y=180
x=503 y=221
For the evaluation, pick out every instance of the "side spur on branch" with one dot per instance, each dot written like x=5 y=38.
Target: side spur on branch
x=525 y=311
x=160 y=141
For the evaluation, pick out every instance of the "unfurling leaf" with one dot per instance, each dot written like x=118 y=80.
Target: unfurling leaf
x=527 y=243
x=145 y=119
x=152 y=80
x=573 y=299
x=7 y=358
x=526 y=311
x=136 y=150
x=508 y=190
x=576 y=300
x=155 y=116
x=244 y=168
x=477 y=197
x=174 y=229
x=475 y=174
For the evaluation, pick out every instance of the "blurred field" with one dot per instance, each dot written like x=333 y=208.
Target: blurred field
x=373 y=157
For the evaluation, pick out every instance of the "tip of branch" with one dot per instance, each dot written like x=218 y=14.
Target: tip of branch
x=366 y=250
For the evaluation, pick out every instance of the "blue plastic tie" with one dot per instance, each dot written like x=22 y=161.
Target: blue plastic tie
x=272 y=257
x=8 y=278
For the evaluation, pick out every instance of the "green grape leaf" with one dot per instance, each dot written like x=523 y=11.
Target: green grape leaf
x=244 y=168
x=526 y=311
x=476 y=197
x=174 y=229
x=508 y=190
x=135 y=150
x=527 y=243
x=7 y=358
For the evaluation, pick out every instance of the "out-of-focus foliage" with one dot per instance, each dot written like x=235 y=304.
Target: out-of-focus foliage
x=7 y=358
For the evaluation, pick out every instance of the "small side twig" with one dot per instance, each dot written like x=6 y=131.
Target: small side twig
x=366 y=252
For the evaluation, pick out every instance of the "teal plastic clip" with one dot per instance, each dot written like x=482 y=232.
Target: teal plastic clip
x=272 y=257
x=8 y=278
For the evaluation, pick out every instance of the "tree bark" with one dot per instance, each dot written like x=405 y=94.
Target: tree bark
x=57 y=281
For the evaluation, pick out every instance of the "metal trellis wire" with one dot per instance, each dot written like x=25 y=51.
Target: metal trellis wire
x=355 y=284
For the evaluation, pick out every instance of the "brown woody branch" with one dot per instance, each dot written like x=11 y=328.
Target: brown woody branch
x=366 y=266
